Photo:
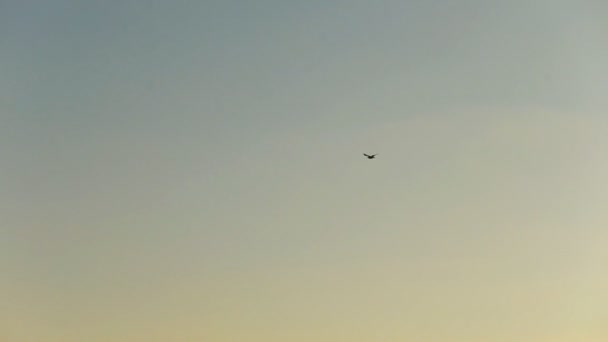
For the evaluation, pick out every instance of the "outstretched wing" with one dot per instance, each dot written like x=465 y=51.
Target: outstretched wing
x=367 y=155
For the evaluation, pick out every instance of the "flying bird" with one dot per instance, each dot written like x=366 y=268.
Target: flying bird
x=370 y=156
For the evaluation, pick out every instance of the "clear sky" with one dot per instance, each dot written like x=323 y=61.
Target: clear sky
x=193 y=170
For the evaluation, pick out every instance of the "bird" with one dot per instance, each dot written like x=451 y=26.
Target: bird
x=370 y=156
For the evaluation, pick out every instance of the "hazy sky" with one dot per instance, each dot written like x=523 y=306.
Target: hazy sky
x=193 y=170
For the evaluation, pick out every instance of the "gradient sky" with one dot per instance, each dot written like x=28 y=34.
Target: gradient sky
x=192 y=170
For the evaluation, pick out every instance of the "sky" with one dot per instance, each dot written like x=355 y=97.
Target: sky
x=193 y=170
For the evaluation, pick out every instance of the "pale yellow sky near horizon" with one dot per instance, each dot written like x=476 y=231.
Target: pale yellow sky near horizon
x=193 y=171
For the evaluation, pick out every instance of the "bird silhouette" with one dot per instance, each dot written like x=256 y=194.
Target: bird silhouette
x=370 y=156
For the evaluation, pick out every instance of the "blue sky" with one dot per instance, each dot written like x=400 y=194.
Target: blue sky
x=193 y=170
